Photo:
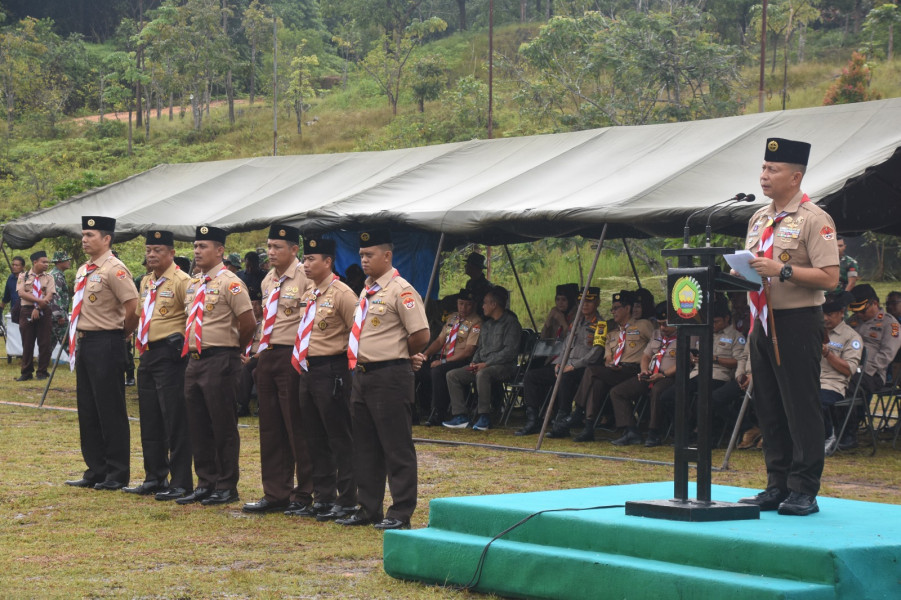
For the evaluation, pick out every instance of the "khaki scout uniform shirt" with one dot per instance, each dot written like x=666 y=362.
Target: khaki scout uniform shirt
x=728 y=343
x=334 y=317
x=804 y=238
x=395 y=313
x=669 y=359
x=882 y=338
x=290 y=307
x=25 y=283
x=168 y=317
x=105 y=292
x=638 y=333
x=226 y=299
x=846 y=343
x=467 y=335
x=587 y=349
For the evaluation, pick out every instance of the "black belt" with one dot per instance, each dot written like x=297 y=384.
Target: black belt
x=208 y=352
x=784 y=312
x=321 y=360
x=372 y=366
x=278 y=346
x=633 y=365
x=175 y=340
x=84 y=334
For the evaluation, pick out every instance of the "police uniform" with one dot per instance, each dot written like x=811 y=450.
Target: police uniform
x=325 y=389
x=165 y=438
x=285 y=464
x=39 y=329
x=468 y=330
x=882 y=338
x=625 y=394
x=630 y=339
x=786 y=396
x=211 y=377
x=382 y=395
x=845 y=343
x=100 y=364
x=586 y=351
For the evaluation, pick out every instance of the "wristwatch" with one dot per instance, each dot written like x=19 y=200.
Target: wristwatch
x=785 y=273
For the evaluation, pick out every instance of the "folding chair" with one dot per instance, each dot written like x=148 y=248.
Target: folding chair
x=513 y=387
x=887 y=406
x=860 y=398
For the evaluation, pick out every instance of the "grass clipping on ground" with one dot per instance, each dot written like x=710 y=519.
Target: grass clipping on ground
x=62 y=542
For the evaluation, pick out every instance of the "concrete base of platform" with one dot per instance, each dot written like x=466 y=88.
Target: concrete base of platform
x=849 y=550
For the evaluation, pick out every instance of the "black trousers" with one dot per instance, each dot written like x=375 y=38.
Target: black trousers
x=382 y=414
x=210 y=385
x=285 y=465
x=102 y=416
x=165 y=436
x=787 y=399
x=32 y=330
x=538 y=382
x=436 y=386
x=245 y=384
x=325 y=413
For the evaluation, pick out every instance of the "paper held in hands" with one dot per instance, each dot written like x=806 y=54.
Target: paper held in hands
x=741 y=263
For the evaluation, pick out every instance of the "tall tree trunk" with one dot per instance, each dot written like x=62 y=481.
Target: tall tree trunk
x=230 y=94
x=891 y=42
x=461 y=7
x=129 y=130
x=298 y=111
x=147 y=115
x=522 y=10
x=171 y=103
x=102 y=82
x=253 y=70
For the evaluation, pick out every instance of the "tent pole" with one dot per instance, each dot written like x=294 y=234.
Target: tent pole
x=53 y=372
x=5 y=255
x=741 y=417
x=570 y=338
x=428 y=292
x=516 y=276
x=631 y=262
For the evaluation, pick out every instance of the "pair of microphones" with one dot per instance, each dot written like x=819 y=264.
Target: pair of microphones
x=717 y=208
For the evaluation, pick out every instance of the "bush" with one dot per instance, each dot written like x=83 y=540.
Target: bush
x=107 y=129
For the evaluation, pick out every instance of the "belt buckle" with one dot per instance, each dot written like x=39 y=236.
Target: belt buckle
x=195 y=355
x=80 y=335
x=362 y=368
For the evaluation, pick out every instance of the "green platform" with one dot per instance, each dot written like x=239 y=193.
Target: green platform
x=849 y=550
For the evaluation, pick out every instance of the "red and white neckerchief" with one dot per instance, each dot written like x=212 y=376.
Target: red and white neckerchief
x=305 y=330
x=618 y=353
x=758 y=300
x=451 y=343
x=195 y=316
x=353 y=342
x=269 y=313
x=36 y=286
x=658 y=357
x=147 y=314
x=77 y=300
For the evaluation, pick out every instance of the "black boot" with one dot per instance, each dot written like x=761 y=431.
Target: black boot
x=576 y=418
x=532 y=425
x=587 y=434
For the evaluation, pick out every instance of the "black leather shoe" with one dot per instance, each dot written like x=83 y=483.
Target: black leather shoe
x=653 y=441
x=629 y=439
x=799 y=505
x=558 y=433
x=28 y=377
x=146 y=488
x=356 y=519
x=41 y=376
x=109 y=485
x=195 y=496
x=129 y=381
x=221 y=497
x=82 y=483
x=769 y=499
x=389 y=523
x=586 y=436
x=336 y=512
x=173 y=493
x=264 y=506
x=299 y=509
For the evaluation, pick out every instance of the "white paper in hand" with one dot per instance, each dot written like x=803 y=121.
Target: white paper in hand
x=741 y=264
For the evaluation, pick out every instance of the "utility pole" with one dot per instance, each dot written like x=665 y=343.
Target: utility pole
x=762 y=58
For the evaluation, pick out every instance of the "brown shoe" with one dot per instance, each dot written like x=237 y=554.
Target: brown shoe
x=749 y=439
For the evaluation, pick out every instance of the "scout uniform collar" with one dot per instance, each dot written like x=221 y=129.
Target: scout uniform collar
x=101 y=259
x=792 y=207
x=291 y=271
x=383 y=280
x=214 y=272
x=168 y=273
x=326 y=281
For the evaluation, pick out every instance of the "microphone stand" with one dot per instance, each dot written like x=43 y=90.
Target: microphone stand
x=737 y=198
x=686 y=234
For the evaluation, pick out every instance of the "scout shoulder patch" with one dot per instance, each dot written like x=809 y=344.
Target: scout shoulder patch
x=856 y=344
x=895 y=331
x=121 y=274
x=827 y=233
x=235 y=288
x=409 y=303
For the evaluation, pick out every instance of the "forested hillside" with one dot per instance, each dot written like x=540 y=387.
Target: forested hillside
x=95 y=90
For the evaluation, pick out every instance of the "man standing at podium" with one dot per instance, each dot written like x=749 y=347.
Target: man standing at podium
x=797 y=257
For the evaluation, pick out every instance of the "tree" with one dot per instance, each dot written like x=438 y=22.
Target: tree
x=852 y=85
x=386 y=61
x=122 y=74
x=257 y=23
x=21 y=51
x=880 y=25
x=301 y=87
x=430 y=78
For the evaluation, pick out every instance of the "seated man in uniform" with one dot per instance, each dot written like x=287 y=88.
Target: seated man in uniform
x=893 y=307
x=494 y=360
x=452 y=349
x=881 y=337
x=538 y=382
x=625 y=346
x=561 y=315
x=841 y=355
x=658 y=372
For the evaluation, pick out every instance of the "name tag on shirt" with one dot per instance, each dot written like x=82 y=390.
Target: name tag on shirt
x=96 y=277
x=167 y=294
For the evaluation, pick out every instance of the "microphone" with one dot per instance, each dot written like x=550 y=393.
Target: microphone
x=686 y=232
x=737 y=198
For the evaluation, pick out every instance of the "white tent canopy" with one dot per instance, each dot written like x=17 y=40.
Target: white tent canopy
x=642 y=181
